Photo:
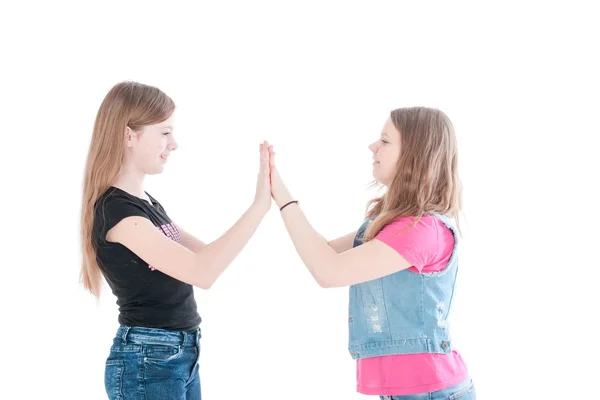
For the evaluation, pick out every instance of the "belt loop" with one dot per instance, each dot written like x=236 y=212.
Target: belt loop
x=184 y=338
x=125 y=332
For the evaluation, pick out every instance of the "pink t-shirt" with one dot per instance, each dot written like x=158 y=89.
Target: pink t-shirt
x=428 y=247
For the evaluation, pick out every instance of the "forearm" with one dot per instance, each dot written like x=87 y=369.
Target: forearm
x=313 y=249
x=216 y=257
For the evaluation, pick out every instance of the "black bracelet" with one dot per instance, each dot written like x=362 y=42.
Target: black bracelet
x=293 y=201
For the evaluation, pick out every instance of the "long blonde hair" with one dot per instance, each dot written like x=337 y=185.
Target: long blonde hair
x=426 y=179
x=127 y=104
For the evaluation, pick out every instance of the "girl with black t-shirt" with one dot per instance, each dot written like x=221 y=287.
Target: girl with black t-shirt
x=150 y=263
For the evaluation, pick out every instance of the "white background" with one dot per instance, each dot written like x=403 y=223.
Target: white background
x=317 y=79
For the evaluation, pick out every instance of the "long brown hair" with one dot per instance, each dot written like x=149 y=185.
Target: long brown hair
x=127 y=104
x=426 y=179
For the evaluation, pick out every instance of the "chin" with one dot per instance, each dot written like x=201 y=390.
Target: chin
x=379 y=180
x=154 y=172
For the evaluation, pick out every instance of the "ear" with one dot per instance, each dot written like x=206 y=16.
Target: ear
x=129 y=137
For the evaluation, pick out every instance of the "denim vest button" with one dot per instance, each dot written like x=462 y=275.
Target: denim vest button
x=444 y=345
x=350 y=319
x=374 y=307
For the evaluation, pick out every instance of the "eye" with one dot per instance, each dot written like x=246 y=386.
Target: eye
x=384 y=141
x=166 y=133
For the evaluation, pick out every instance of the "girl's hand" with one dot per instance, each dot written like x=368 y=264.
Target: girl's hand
x=279 y=191
x=262 y=199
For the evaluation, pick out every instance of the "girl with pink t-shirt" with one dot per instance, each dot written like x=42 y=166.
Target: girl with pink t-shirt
x=400 y=265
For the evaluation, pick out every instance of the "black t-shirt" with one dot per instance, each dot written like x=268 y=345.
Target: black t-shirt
x=145 y=296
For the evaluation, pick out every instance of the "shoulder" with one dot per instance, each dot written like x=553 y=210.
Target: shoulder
x=428 y=230
x=114 y=199
x=113 y=206
x=418 y=242
x=426 y=224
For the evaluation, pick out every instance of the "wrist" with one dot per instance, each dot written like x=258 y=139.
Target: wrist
x=284 y=201
x=258 y=209
x=288 y=204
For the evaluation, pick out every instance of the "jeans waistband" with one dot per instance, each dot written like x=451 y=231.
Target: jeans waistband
x=143 y=335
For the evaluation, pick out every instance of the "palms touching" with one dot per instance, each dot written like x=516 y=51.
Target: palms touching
x=262 y=198
x=279 y=191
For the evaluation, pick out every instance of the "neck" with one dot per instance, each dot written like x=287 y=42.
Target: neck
x=131 y=180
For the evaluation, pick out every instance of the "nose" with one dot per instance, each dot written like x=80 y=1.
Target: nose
x=173 y=144
x=373 y=147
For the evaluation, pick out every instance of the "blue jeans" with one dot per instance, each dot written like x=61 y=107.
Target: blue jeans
x=462 y=391
x=152 y=364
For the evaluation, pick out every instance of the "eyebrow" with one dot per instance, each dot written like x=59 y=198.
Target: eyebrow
x=166 y=127
x=385 y=134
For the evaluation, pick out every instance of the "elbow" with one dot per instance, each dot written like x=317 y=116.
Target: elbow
x=328 y=284
x=324 y=275
x=203 y=284
x=324 y=283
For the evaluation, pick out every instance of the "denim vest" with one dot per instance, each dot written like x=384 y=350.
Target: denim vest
x=402 y=313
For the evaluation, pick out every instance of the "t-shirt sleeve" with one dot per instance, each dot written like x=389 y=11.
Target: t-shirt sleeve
x=418 y=244
x=111 y=210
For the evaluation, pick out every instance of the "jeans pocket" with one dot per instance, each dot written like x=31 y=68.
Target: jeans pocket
x=467 y=393
x=162 y=353
x=113 y=379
